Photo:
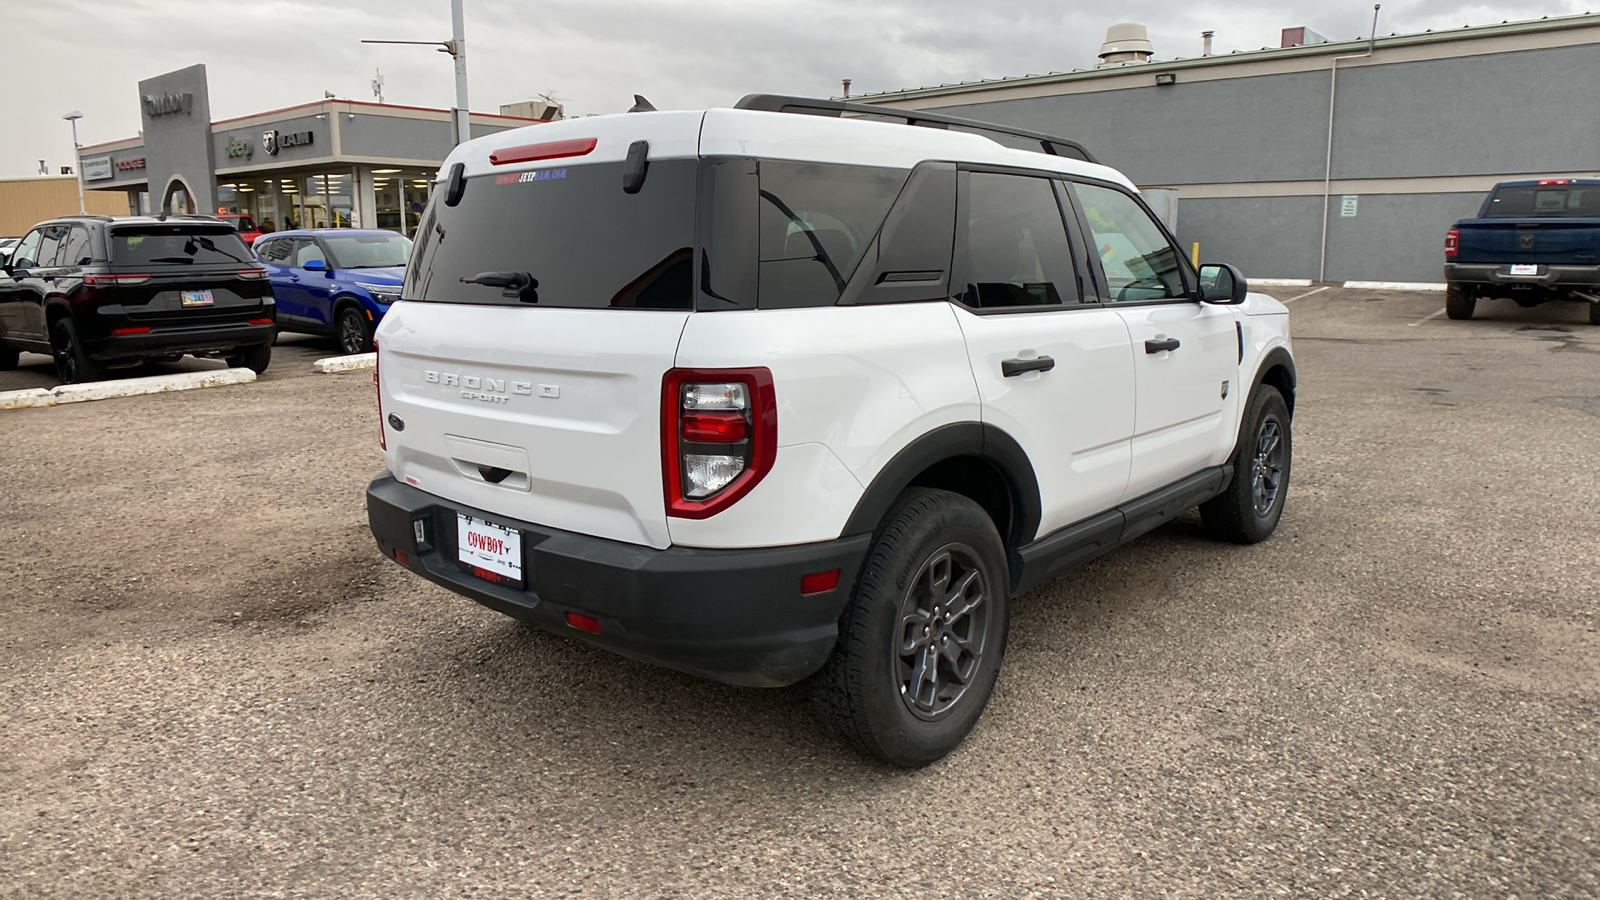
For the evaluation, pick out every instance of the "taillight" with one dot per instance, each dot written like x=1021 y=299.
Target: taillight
x=383 y=442
x=1544 y=181
x=107 y=280
x=251 y=274
x=534 y=152
x=1452 y=242
x=719 y=437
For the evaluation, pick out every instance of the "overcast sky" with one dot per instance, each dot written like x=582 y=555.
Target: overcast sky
x=89 y=55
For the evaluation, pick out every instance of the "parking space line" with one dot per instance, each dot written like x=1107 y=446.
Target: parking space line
x=1436 y=314
x=1307 y=294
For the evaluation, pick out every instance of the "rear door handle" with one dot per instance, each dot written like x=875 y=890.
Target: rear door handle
x=1011 y=367
x=1160 y=345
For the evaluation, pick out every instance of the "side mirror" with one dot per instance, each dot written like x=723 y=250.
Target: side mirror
x=314 y=265
x=1222 y=283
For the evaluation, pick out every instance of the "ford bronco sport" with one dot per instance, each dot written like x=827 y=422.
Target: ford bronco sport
x=771 y=393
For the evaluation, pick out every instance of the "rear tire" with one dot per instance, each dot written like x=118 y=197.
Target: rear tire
x=1459 y=301
x=73 y=365
x=255 y=358
x=8 y=358
x=921 y=642
x=355 y=331
x=1249 y=510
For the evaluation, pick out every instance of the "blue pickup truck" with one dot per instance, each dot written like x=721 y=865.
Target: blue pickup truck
x=1533 y=241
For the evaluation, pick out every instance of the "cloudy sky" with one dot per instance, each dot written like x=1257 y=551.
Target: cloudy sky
x=89 y=55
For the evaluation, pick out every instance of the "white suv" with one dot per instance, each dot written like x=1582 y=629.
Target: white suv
x=763 y=394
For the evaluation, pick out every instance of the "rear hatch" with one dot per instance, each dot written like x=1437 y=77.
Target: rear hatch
x=1556 y=223
x=538 y=317
x=184 y=274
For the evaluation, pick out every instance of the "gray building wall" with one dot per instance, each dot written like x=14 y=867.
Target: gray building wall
x=393 y=137
x=254 y=136
x=1486 y=115
x=178 y=144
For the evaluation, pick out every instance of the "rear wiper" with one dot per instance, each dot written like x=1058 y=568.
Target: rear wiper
x=206 y=243
x=519 y=285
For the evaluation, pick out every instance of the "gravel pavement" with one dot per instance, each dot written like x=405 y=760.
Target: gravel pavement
x=211 y=685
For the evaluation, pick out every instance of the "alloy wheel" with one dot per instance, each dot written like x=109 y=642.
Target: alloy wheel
x=944 y=624
x=352 y=332
x=1266 y=467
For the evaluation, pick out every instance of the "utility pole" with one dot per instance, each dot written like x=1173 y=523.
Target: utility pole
x=457 y=48
x=77 y=161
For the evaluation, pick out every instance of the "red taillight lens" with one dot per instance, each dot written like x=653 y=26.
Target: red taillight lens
x=107 y=280
x=1553 y=180
x=251 y=274
x=383 y=442
x=1452 y=242
x=715 y=427
x=551 y=150
x=719 y=437
x=260 y=322
x=583 y=622
x=818 y=582
x=130 y=331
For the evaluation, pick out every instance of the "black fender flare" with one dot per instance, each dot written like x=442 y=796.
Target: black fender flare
x=1276 y=357
x=960 y=439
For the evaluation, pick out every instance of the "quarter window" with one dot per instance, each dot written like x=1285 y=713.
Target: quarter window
x=1016 y=250
x=76 y=250
x=816 y=222
x=1139 y=262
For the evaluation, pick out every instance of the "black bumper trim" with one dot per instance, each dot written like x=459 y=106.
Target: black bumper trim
x=1500 y=274
x=735 y=616
x=159 y=341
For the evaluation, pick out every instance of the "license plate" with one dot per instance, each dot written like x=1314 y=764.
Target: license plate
x=196 y=298
x=484 y=547
x=1524 y=270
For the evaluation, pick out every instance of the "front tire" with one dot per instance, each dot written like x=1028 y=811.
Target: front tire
x=1249 y=510
x=355 y=332
x=921 y=642
x=1459 y=301
x=256 y=358
x=73 y=365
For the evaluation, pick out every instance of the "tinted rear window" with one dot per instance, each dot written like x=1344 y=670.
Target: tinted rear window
x=181 y=245
x=1546 y=200
x=571 y=230
x=816 y=222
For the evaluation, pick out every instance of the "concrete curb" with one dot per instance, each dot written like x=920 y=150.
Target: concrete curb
x=1395 y=285
x=1278 y=282
x=345 y=363
x=123 y=387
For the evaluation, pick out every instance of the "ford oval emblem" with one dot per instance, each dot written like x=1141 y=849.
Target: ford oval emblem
x=397 y=423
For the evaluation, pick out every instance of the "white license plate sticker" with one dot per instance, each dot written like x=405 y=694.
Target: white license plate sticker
x=1524 y=270
x=490 y=547
x=196 y=298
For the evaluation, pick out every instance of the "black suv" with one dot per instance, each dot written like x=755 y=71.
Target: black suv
x=98 y=292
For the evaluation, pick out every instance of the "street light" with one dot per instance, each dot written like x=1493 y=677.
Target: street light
x=77 y=162
x=457 y=48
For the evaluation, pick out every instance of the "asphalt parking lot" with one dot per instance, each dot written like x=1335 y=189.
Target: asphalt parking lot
x=212 y=685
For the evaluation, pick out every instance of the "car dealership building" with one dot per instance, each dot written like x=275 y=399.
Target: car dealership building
x=332 y=163
x=1323 y=160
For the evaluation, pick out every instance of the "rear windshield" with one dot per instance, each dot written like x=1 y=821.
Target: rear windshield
x=368 y=251
x=1546 y=200
x=178 y=245
x=565 y=236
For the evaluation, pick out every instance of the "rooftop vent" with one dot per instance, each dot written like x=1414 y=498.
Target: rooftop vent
x=1126 y=42
x=1295 y=37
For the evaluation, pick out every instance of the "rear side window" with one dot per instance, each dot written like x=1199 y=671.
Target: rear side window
x=55 y=240
x=1016 y=250
x=566 y=236
x=76 y=252
x=181 y=245
x=816 y=221
x=1545 y=200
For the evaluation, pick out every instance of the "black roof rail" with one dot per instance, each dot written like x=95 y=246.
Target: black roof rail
x=1049 y=144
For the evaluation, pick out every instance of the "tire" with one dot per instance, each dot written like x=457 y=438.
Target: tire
x=929 y=544
x=1249 y=510
x=8 y=358
x=1594 y=319
x=354 y=331
x=1459 y=301
x=73 y=365
x=255 y=358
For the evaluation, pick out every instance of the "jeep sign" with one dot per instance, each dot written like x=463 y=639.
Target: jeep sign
x=273 y=141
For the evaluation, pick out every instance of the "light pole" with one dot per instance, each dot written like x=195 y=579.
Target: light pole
x=77 y=162
x=457 y=48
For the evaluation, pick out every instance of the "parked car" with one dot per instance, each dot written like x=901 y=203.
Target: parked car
x=1532 y=242
x=246 y=226
x=100 y=293
x=6 y=244
x=334 y=281
x=766 y=396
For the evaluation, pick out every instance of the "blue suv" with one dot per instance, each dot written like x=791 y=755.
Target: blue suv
x=334 y=281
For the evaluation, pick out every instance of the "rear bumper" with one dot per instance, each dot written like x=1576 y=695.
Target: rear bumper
x=735 y=616
x=1546 y=276
x=163 y=341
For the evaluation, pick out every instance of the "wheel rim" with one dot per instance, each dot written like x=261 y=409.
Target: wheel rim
x=66 y=353
x=352 y=332
x=944 y=624
x=1266 y=468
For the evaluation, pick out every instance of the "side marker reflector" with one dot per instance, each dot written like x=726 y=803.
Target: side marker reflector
x=819 y=582
x=583 y=622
